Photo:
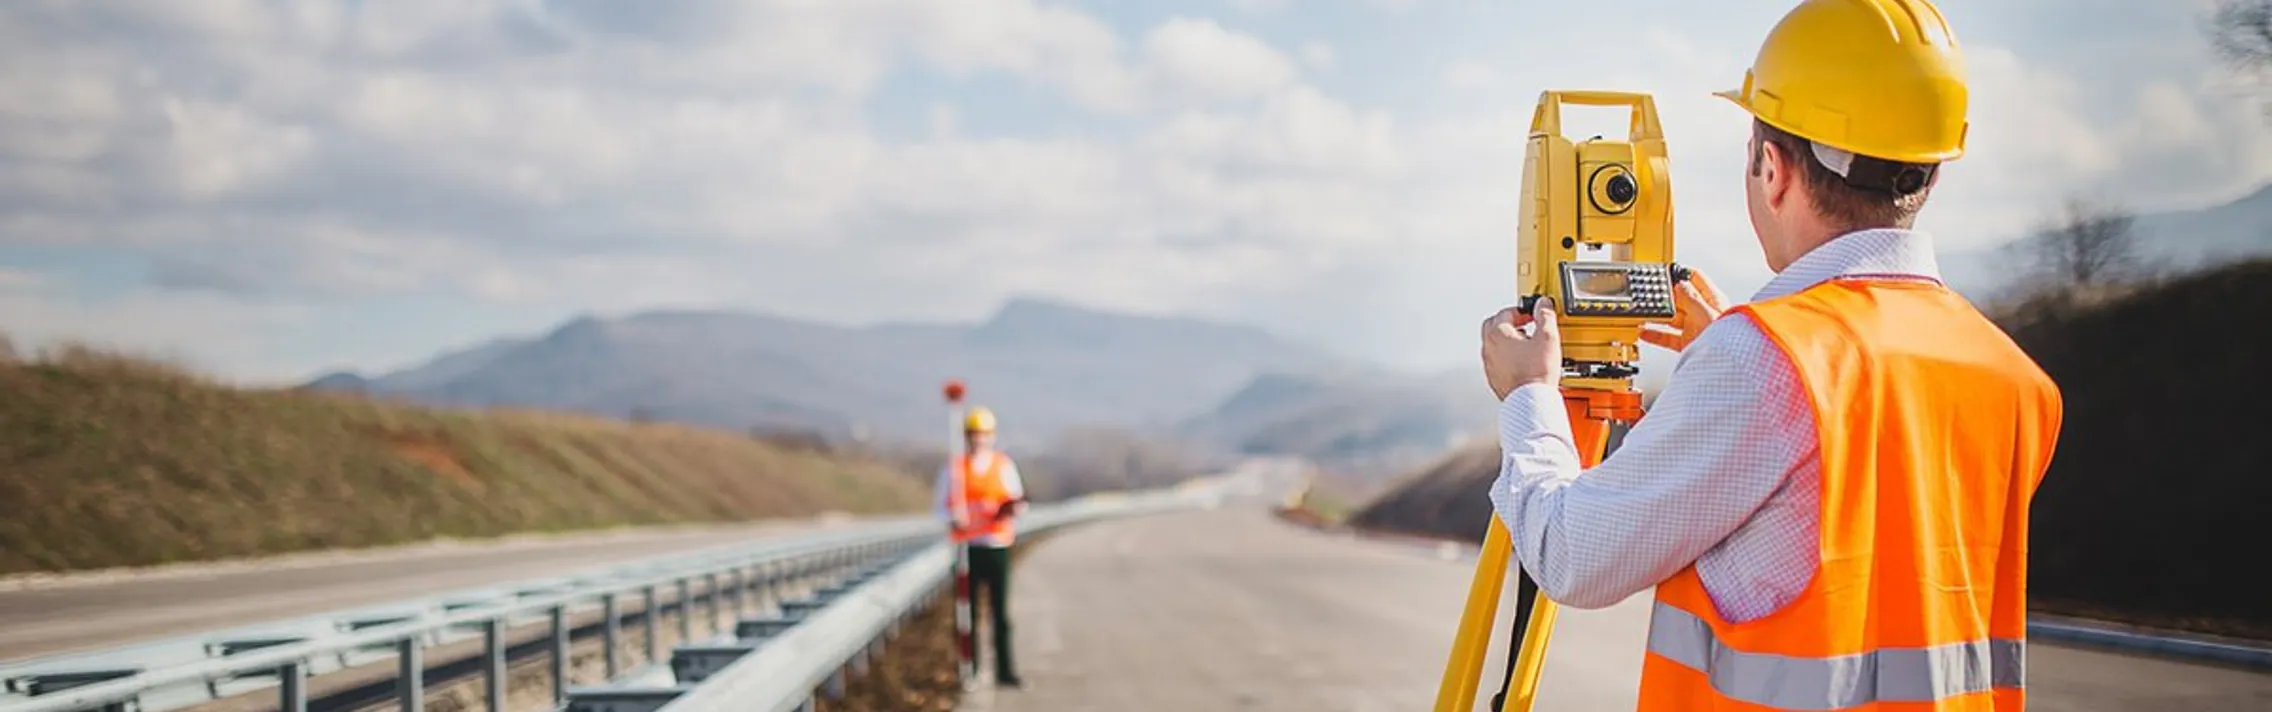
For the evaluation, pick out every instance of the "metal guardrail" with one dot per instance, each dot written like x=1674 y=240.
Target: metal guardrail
x=876 y=575
x=49 y=673
x=783 y=671
x=288 y=659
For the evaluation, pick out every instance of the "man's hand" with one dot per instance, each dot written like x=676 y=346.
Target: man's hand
x=1696 y=304
x=1511 y=358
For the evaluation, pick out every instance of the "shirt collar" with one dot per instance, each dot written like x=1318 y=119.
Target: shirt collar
x=1885 y=252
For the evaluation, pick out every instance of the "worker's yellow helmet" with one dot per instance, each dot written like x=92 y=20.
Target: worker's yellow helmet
x=1879 y=78
x=978 y=420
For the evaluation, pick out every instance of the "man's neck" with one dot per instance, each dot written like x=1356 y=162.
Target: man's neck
x=1815 y=236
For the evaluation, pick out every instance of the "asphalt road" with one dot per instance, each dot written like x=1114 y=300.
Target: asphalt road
x=1233 y=610
x=42 y=618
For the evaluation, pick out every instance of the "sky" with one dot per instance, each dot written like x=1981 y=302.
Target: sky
x=268 y=190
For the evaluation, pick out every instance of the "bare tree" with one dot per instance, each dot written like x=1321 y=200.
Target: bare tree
x=2241 y=32
x=2085 y=245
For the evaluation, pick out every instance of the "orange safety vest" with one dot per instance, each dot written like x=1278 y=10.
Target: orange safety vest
x=981 y=495
x=1935 y=429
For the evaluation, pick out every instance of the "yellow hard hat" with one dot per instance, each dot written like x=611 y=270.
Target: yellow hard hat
x=978 y=420
x=1879 y=78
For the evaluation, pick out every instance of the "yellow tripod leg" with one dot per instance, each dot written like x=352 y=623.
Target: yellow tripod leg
x=1530 y=662
x=1456 y=693
x=1590 y=413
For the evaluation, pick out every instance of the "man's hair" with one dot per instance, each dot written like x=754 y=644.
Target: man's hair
x=1847 y=206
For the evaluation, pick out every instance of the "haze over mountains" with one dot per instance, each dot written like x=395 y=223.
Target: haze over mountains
x=1045 y=367
x=2180 y=240
x=1050 y=368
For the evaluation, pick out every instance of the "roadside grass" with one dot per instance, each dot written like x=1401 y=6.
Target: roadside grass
x=118 y=460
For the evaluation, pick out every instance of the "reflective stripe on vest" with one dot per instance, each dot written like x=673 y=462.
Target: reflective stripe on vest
x=1933 y=430
x=1795 y=683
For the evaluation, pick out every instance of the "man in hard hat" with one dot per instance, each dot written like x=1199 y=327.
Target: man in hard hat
x=980 y=494
x=1831 y=494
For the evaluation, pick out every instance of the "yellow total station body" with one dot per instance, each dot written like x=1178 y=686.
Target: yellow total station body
x=1596 y=235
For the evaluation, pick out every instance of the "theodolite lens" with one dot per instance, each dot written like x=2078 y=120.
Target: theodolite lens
x=1622 y=189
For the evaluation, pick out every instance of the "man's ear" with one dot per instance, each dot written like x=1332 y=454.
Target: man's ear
x=1777 y=176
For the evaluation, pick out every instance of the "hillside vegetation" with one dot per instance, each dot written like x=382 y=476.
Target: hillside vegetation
x=114 y=461
x=2152 y=510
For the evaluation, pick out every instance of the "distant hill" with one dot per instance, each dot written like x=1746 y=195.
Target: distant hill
x=1043 y=366
x=1367 y=425
x=2179 y=240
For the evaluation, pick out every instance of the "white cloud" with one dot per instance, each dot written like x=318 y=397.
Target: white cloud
x=1201 y=56
x=13 y=280
x=584 y=155
x=208 y=333
x=1318 y=55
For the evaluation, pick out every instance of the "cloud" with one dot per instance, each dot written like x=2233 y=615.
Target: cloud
x=216 y=334
x=258 y=159
x=1202 y=57
x=12 y=280
x=2036 y=140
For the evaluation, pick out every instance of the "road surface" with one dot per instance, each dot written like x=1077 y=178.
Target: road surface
x=1234 y=610
x=42 y=618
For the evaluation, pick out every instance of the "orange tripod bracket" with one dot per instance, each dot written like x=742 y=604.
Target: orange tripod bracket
x=1591 y=411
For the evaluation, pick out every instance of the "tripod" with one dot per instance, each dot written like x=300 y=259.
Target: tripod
x=1592 y=405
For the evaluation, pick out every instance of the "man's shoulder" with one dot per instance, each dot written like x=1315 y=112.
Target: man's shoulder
x=1734 y=339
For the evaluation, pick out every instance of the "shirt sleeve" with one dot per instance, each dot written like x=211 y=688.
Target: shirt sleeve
x=1010 y=479
x=1729 y=429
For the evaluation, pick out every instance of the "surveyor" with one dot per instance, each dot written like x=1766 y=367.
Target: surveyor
x=980 y=494
x=1830 y=496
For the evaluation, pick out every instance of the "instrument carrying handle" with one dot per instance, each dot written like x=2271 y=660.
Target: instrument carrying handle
x=1548 y=119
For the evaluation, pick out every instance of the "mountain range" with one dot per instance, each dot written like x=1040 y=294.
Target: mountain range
x=1050 y=368
x=1046 y=368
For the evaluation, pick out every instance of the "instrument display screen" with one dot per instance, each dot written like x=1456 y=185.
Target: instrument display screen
x=1589 y=283
x=1617 y=289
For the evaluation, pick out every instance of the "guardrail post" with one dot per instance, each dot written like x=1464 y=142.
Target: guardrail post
x=717 y=602
x=294 y=684
x=493 y=668
x=613 y=634
x=411 y=666
x=559 y=655
x=654 y=625
x=685 y=611
x=741 y=590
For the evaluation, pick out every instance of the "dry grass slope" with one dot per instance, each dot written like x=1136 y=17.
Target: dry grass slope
x=112 y=460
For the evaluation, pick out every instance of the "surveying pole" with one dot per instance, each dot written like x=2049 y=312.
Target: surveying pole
x=966 y=666
x=1596 y=235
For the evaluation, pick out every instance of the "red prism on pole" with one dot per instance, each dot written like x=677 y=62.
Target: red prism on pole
x=965 y=643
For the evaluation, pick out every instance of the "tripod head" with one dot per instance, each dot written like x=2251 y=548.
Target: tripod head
x=1596 y=234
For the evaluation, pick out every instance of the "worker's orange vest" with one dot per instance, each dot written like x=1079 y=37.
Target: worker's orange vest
x=982 y=496
x=1935 y=429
